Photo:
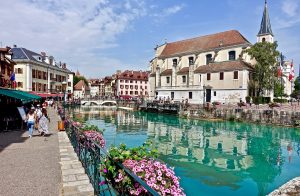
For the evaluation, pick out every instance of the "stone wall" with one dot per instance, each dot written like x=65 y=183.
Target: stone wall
x=275 y=117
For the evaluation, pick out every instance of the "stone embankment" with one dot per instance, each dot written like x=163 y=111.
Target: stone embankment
x=266 y=116
x=290 y=188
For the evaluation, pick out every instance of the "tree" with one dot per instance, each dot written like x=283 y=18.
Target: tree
x=265 y=70
x=278 y=89
x=296 y=88
x=76 y=79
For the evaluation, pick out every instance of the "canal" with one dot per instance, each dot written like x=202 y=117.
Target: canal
x=211 y=158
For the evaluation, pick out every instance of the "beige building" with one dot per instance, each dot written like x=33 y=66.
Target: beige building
x=38 y=72
x=203 y=69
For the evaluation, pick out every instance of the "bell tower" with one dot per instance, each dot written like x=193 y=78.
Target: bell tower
x=265 y=33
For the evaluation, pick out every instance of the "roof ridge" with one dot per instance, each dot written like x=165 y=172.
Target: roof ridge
x=202 y=36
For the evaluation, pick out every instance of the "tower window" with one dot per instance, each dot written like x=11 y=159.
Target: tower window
x=174 y=62
x=208 y=59
x=231 y=55
x=263 y=39
x=191 y=60
x=208 y=76
x=183 y=79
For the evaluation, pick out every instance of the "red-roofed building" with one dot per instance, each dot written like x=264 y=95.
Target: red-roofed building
x=81 y=90
x=132 y=83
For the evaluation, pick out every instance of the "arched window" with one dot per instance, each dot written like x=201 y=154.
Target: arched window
x=231 y=55
x=208 y=58
x=174 y=62
x=263 y=39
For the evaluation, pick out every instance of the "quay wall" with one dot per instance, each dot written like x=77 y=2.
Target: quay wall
x=275 y=117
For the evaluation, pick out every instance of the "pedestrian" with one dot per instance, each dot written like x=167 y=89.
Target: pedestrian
x=43 y=123
x=30 y=121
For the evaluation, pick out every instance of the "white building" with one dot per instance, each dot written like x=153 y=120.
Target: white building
x=38 y=72
x=70 y=83
x=132 y=83
x=94 y=85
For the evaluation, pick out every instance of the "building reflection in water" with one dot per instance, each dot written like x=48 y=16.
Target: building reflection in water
x=216 y=154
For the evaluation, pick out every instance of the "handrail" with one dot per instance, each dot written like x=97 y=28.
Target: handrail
x=100 y=153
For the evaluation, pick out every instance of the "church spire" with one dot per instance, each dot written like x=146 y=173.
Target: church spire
x=265 y=26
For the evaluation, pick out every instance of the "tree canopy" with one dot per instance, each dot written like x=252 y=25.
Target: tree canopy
x=265 y=71
x=76 y=79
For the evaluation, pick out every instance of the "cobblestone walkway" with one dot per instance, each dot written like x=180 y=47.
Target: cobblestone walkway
x=30 y=166
x=75 y=181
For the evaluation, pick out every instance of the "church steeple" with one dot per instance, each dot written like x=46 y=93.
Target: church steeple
x=265 y=33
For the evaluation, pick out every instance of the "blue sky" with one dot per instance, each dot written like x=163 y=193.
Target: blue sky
x=98 y=37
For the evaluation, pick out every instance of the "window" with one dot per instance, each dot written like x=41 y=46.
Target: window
x=263 y=39
x=183 y=79
x=145 y=87
x=208 y=59
x=121 y=86
x=39 y=75
x=191 y=60
x=215 y=93
x=45 y=87
x=208 y=76
x=136 y=92
x=45 y=75
x=236 y=75
x=141 y=82
x=141 y=92
x=136 y=86
x=121 y=92
x=168 y=80
x=20 y=71
x=174 y=62
x=126 y=81
x=121 y=81
x=172 y=95
x=69 y=83
x=33 y=86
x=190 y=95
x=131 y=92
x=33 y=73
x=231 y=55
x=126 y=92
x=131 y=86
x=221 y=75
x=131 y=81
x=20 y=84
x=126 y=86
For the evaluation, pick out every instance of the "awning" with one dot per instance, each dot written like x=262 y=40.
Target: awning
x=24 y=97
x=46 y=95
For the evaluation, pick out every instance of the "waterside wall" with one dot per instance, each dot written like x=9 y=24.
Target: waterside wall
x=275 y=117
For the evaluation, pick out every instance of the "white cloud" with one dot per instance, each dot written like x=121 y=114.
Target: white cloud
x=169 y=11
x=72 y=31
x=291 y=7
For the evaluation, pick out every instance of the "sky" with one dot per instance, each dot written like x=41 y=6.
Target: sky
x=98 y=37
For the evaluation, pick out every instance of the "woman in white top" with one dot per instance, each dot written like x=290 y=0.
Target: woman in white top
x=30 y=121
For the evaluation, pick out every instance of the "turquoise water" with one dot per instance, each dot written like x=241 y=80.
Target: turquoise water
x=211 y=158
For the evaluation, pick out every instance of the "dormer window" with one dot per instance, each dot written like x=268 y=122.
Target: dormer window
x=191 y=60
x=208 y=58
x=174 y=62
x=231 y=55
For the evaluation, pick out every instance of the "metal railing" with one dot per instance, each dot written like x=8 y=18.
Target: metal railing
x=91 y=156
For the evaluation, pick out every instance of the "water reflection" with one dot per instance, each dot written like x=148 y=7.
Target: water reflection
x=210 y=157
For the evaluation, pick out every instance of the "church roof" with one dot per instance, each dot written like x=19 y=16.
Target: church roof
x=224 y=66
x=204 y=43
x=265 y=26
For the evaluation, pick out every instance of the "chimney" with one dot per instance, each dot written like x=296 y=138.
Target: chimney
x=15 y=46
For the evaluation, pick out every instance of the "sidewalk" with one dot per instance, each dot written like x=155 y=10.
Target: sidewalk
x=30 y=166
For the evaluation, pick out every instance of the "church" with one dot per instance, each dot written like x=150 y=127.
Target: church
x=208 y=68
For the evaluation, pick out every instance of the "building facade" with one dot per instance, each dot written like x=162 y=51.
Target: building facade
x=38 y=72
x=81 y=90
x=94 y=85
x=203 y=69
x=6 y=68
x=132 y=83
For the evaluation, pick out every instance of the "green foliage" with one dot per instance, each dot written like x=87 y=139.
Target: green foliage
x=248 y=98
x=261 y=100
x=278 y=89
x=296 y=88
x=265 y=54
x=278 y=100
x=76 y=79
x=92 y=127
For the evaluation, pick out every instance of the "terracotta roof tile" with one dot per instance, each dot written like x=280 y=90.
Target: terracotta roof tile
x=134 y=75
x=223 y=66
x=166 y=72
x=204 y=43
x=80 y=84
x=152 y=74
x=184 y=70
